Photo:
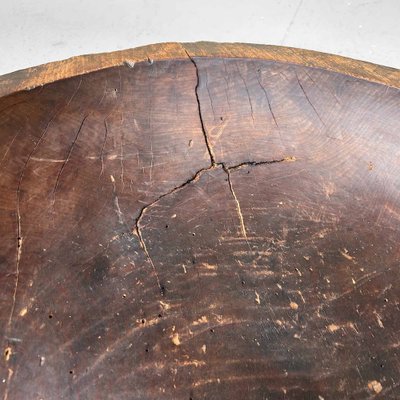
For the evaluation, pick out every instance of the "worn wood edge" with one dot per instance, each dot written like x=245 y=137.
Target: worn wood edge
x=33 y=77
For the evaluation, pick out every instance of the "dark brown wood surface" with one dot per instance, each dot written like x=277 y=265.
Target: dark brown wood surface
x=201 y=226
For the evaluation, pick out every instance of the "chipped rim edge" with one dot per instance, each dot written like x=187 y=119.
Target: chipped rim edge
x=30 y=78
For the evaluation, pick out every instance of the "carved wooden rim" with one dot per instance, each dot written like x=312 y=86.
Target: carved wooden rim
x=30 y=78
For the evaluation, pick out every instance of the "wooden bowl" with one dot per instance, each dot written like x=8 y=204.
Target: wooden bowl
x=200 y=221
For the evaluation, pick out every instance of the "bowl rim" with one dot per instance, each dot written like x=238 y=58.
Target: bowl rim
x=30 y=78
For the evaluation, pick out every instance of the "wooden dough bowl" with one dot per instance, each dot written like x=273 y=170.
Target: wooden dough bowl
x=200 y=221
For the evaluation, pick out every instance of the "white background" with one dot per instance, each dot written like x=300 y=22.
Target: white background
x=34 y=32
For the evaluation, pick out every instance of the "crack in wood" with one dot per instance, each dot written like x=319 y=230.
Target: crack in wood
x=209 y=148
x=313 y=107
x=309 y=101
x=268 y=100
x=255 y=163
x=137 y=229
x=248 y=94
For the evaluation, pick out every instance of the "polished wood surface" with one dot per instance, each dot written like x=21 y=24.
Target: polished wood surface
x=200 y=221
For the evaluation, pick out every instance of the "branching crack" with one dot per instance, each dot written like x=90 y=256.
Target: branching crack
x=209 y=148
x=138 y=230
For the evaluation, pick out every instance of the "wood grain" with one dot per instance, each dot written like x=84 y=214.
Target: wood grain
x=203 y=221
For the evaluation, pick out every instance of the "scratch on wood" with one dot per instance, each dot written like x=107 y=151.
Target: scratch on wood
x=122 y=161
x=106 y=128
x=103 y=146
x=116 y=205
x=308 y=100
x=67 y=159
x=151 y=161
x=209 y=95
x=75 y=92
x=238 y=208
x=270 y=106
x=50 y=160
x=9 y=376
x=226 y=84
x=118 y=210
x=144 y=247
x=320 y=89
x=9 y=146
